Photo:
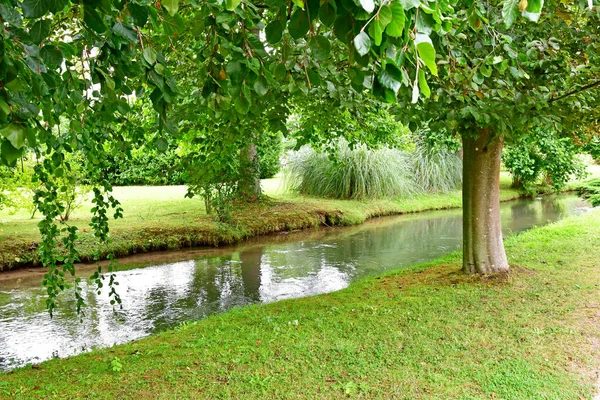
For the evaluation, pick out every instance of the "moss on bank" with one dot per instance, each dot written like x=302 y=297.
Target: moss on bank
x=423 y=332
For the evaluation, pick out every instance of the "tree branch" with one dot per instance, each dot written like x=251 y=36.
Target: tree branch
x=572 y=92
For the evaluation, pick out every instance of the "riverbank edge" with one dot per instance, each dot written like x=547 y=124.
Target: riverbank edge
x=270 y=216
x=542 y=312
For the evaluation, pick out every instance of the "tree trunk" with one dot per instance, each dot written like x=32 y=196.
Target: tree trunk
x=483 y=247
x=249 y=183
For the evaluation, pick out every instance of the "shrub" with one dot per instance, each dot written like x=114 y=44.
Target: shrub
x=269 y=153
x=145 y=167
x=543 y=155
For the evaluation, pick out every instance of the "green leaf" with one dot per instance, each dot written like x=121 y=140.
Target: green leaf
x=426 y=52
x=231 y=5
x=408 y=4
x=139 y=14
x=396 y=25
x=389 y=78
x=15 y=134
x=35 y=8
x=362 y=43
x=4 y=107
x=161 y=144
x=368 y=5
x=320 y=47
x=9 y=153
x=261 y=87
x=125 y=32
x=423 y=84
x=274 y=32
x=51 y=55
x=314 y=78
x=40 y=31
x=328 y=13
x=385 y=16
x=534 y=10
x=342 y=27
x=510 y=12
x=486 y=70
x=93 y=19
x=10 y=15
x=376 y=32
x=172 y=6
x=57 y=5
x=299 y=24
x=149 y=55
x=242 y=105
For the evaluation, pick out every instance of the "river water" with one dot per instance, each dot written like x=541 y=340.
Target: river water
x=162 y=290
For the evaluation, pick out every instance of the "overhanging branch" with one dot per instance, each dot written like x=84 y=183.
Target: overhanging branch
x=575 y=91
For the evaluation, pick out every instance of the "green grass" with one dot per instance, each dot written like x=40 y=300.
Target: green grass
x=160 y=218
x=428 y=332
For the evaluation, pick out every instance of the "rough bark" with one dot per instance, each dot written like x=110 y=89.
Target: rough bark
x=249 y=183
x=483 y=247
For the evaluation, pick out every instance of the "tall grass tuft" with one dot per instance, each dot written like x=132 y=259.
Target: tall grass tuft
x=351 y=173
x=436 y=170
x=362 y=173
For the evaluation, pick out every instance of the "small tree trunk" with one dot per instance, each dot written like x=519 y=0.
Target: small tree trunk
x=249 y=184
x=483 y=247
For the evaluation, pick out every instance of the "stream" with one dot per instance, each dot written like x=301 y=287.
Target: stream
x=161 y=290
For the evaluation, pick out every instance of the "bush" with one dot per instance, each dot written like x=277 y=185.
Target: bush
x=145 y=167
x=269 y=153
x=543 y=155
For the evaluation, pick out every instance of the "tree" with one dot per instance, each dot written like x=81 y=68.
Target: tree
x=498 y=79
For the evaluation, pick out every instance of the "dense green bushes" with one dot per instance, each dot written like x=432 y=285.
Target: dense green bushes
x=145 y=167
x=371 y=173
x=543 y=155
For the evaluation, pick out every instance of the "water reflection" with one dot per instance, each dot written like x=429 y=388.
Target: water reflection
x=199 y=284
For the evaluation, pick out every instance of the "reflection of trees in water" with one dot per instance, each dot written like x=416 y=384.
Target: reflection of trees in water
x=250 y=262
x=524 y=214
x=371 y=250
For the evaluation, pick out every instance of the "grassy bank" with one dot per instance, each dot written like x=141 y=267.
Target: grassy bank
x=160 y=218
x=425 y=332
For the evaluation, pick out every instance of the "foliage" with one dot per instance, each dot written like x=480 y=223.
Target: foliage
x=351 y=173
x=543 y=154
x=323 y=121
x=270 y=150
x=591 y=190
x=145 y=166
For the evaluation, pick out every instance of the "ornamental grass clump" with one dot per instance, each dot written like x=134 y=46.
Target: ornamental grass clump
x=347 y=173
x=363 y=173
x=436 y=170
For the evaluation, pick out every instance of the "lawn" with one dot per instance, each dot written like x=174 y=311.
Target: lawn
x=429 y=332
x=161 y=218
